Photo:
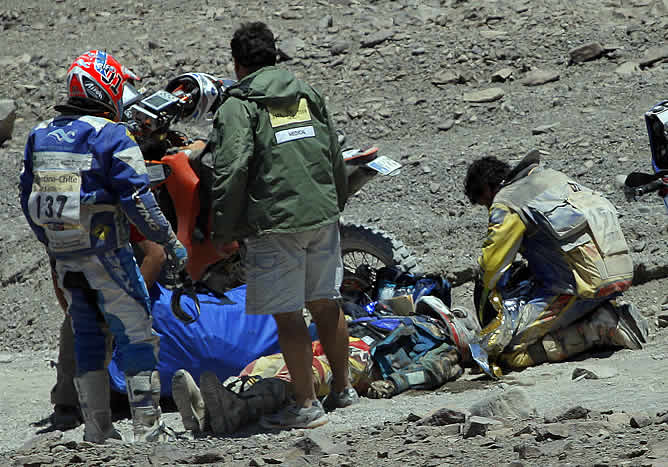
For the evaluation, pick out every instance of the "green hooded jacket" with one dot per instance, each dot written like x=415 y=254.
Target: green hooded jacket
x=277 y=161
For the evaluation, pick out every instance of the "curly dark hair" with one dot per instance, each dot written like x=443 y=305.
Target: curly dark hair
x=486 y=171
x=254 y=46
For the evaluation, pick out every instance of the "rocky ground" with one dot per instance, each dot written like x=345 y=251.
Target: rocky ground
x=434 y=84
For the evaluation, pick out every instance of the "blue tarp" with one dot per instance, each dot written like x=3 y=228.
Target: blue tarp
x=224 y=339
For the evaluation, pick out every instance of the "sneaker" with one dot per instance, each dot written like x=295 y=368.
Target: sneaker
x=226 y=410
x=188 y=400
x=66 y=417
x=338 y=400
x=296 y=417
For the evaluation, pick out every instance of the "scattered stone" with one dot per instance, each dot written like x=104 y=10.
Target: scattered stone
x=628 y=68
x=528 y=451
x=339 y=47
x=586 y=52
x=319 y=444
x=377 y=38
x=619 y=418
x=602 y=372
x=511 y=403
x=661 y=418
x=540 y=130
x=291 y=14
x=6 y=358
x=478 y=426
x=574 y=413
x=451 y=430
x=211 y=457
x=538 y=77
x=442 y=417
x=639 y=246
x=553 y=431
x=45 y=440
x=504 y=74
x=7 y=118
x=658 y=450
x=447 y=77
x=486 y=95
x=325 y=22
x=654 y=55
x=662 y=321
x=446 y=125
x=33 y=460
x=412 y=418
x=556 y=448
x=171 y=454
x=640 y=421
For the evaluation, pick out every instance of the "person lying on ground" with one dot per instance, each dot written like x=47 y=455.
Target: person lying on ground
x=576 y=253
x=264 y=387
x=417 y=354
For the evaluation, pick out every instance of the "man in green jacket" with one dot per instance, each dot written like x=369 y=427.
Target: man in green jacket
x=280 y=185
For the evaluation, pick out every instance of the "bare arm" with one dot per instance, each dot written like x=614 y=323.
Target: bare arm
x=59 y=292
x=154 y=258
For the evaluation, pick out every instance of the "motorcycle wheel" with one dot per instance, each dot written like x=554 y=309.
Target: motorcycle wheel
x=364 y=250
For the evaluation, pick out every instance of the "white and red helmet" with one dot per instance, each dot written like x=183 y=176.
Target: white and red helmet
x=205 y=90
x=97 y=76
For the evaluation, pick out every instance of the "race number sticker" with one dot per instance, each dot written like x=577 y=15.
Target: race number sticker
x=385 y=165
x=286 y=115
x=55 y=197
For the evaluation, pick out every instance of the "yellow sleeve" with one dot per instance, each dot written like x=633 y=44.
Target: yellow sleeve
x=505 y=231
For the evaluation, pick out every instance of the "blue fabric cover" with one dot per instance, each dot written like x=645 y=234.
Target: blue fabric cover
x=224 y=339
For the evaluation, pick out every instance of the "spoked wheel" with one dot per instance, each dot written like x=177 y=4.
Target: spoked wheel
x=364 y=250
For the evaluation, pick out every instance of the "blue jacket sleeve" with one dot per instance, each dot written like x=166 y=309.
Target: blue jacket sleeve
x=25 y=187
x=129 y=180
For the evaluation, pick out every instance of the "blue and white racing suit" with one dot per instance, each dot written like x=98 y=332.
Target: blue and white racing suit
x=83 y=178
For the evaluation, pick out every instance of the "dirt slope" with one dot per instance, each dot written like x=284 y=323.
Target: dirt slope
x=434 y=84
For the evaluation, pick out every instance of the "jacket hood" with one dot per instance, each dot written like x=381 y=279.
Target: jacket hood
x=270 y=86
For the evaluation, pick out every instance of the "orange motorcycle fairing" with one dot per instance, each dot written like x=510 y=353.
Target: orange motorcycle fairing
x=183 y=188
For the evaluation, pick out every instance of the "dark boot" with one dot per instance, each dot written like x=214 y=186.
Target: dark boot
x=228 y=411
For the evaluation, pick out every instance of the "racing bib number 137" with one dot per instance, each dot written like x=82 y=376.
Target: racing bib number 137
x=55 y=197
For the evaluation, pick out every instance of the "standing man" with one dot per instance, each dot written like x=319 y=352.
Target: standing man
x=576 y=253
x=280 y=184
x=83 y=178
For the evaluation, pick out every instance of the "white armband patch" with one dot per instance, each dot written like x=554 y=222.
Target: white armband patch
x=292 y=134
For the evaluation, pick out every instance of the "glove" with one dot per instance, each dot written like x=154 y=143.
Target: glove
x=177 y=255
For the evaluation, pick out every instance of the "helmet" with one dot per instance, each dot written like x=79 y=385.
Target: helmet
x=97 y=76
x=206 y=91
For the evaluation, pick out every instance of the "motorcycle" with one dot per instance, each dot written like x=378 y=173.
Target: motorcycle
x=639 y=183
x=181 y=179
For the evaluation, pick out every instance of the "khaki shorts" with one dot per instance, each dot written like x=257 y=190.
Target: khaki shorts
x=285 y=271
